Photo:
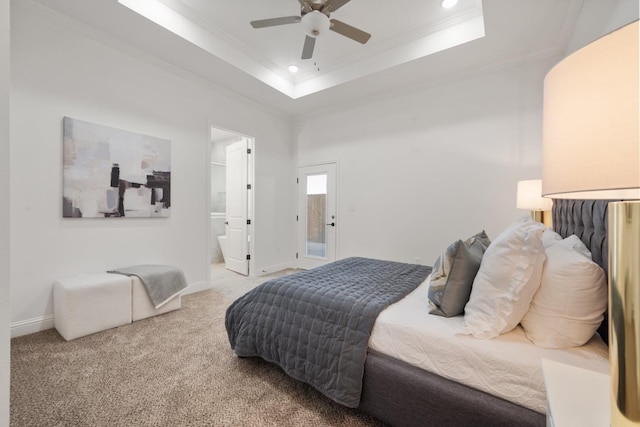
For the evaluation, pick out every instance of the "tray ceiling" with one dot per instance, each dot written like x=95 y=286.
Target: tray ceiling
x=414 y=43
x=402 y=31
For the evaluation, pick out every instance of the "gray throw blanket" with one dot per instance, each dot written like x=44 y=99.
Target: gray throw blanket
x=316 y=324
x=162 y=282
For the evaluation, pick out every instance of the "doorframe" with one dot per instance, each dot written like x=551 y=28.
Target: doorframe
x=250 y=202
x=338 y=215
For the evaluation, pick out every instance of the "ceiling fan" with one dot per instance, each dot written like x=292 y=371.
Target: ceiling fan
x=315 y=17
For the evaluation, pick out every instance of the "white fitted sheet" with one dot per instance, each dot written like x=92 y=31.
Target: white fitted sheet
x=508 y=366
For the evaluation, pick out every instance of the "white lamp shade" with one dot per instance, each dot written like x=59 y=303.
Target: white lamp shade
x=529 y=196
x=591 y=146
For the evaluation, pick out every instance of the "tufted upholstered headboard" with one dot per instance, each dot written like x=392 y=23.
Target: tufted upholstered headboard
x=588 y=220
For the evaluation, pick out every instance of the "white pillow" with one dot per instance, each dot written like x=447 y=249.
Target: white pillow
x=568 y=308
x=508 y=278
x=550 y=237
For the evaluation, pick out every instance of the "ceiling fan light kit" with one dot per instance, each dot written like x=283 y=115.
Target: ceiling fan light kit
x=316 y=20
x=315 y=23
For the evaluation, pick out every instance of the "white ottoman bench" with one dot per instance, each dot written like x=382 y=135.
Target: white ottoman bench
x=143 y=307
x=89 y=303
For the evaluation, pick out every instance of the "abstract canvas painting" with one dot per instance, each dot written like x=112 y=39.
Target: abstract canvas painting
x=113 y=173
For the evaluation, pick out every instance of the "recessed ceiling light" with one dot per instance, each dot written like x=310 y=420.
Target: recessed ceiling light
x=448 y=4
x=293 y=68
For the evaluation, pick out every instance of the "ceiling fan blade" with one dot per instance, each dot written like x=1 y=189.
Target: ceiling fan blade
x=306 y=7
x=262 y=23
x=348 y=31
x=309 y=44
x=333 y=5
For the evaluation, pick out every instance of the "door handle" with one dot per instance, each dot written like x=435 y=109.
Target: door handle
x=333 y=224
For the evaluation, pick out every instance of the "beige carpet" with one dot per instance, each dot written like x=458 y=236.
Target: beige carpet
x=171 y=370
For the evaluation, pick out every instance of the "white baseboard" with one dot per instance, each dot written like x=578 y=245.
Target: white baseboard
x=38 y=324
x=30 y=326
x=197 y=287
x=273 y=268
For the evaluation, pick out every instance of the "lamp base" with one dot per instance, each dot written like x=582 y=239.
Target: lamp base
x=543 y=217
x=624 y=312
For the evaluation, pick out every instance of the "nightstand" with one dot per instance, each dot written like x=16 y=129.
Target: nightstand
x=576 y=397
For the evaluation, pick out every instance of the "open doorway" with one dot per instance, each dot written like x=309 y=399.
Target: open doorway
x=231 y=204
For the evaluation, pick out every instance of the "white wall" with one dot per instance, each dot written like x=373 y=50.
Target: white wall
x=5 y=306
x=62 y=69
x=600 y=17
x=422 y=169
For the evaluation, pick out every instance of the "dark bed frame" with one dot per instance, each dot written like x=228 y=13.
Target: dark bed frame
x=403 y=395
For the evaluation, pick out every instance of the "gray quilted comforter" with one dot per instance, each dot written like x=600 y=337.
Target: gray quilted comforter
x=316 y=324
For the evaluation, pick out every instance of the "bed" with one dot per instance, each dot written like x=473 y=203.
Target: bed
x=379 y=376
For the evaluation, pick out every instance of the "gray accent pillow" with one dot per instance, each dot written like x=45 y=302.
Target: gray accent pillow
x=453 y=274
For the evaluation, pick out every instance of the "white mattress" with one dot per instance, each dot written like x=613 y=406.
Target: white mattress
x=508 y=366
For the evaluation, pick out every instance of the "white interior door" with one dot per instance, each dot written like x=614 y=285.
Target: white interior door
x=317 y=221
x=237 y=229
